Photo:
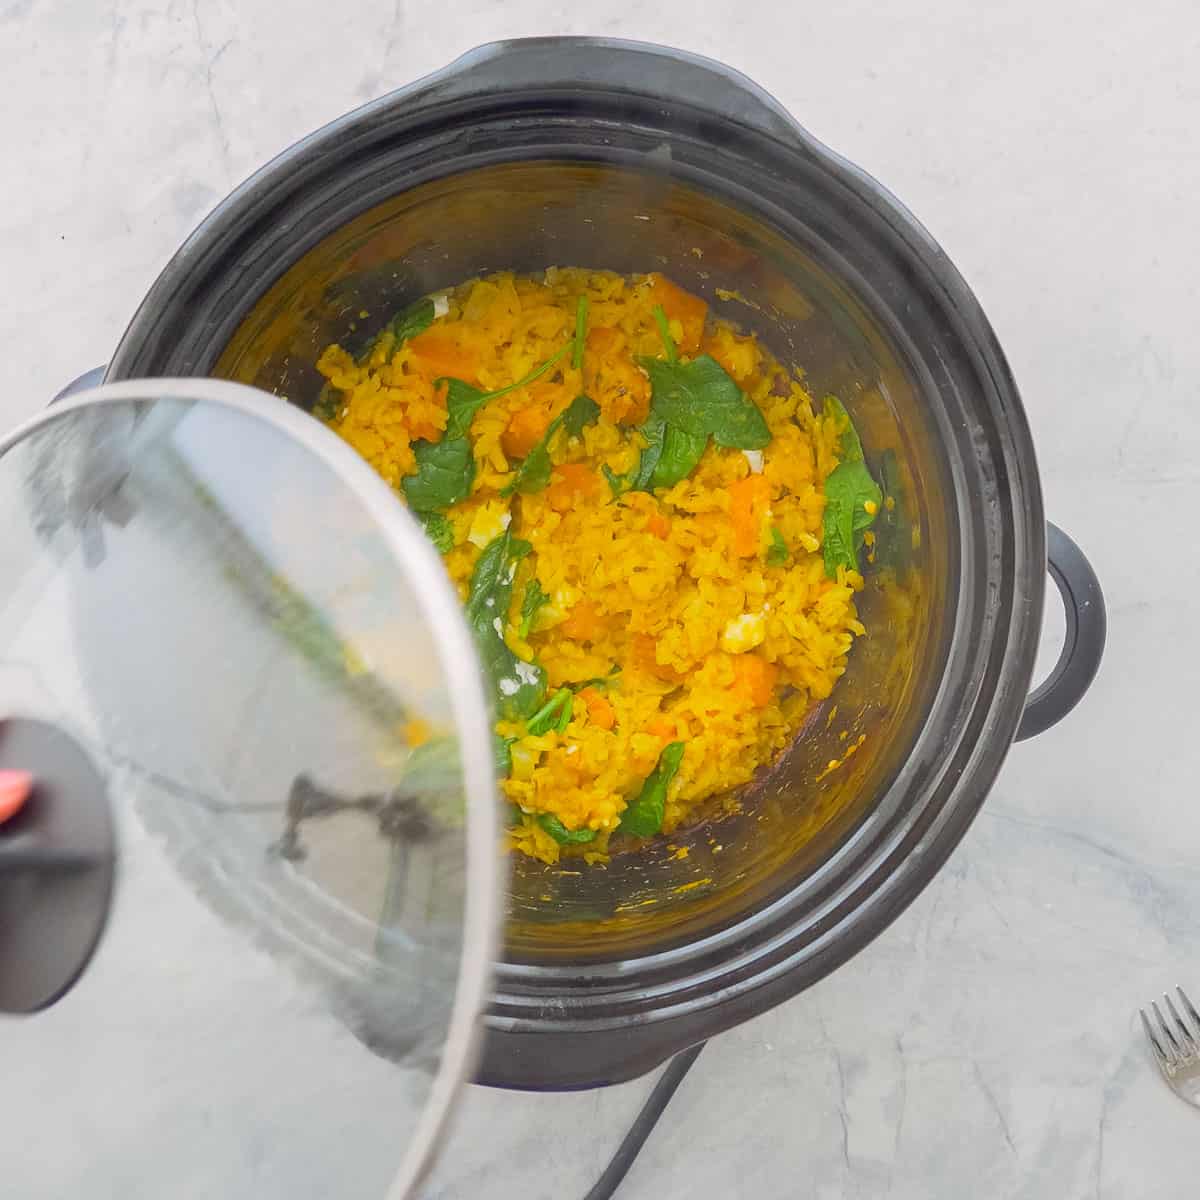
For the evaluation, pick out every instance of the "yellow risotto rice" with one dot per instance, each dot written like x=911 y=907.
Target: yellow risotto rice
x=703 y=610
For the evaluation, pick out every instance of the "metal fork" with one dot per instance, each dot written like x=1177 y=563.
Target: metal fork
x=1177 y=1047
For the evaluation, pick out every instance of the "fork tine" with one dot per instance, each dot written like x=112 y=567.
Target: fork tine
x=1163 y=1061
x=1185 y=1034
x=1187 y=1004
x=1166 y=1031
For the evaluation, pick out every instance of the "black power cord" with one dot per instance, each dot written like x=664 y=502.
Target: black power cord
x=644 y=1122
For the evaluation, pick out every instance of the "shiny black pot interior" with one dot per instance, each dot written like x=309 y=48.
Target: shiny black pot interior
x=609 y=970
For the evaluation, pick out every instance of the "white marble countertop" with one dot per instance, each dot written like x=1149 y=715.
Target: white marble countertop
x=985 y=1045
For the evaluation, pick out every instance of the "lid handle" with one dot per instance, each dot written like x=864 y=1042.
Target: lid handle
x=57 y=861
x=661 y=73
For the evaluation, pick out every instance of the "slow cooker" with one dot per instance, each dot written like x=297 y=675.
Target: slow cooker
x=590 y=152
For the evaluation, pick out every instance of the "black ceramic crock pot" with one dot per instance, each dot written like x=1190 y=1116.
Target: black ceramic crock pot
x=569 y=151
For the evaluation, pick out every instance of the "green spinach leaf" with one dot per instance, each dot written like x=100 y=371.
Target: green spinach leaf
x=664 y=331
x=533 y=475
x=462 y=403
x=446 y=469
x=644 y=816
x=410 y=321
x=701 y=399
x=852 y=498
x=691 y=402
x=445 y=472
x=583 y=410
x=407 y=323
x=533 y=600
x=439 y=529
x=491 y=581
x=519 y=685
x=681 y=451
x=561 y=834
x=619 y=484
x=670 y=455
x=851 y=447
x=547 y=717
x=777 y=554
x=849 y=490
x=502 y=753
x=326 y=405
x=654 y=430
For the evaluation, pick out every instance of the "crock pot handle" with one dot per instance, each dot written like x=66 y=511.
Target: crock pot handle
x=573 y=63
x=1083 y=646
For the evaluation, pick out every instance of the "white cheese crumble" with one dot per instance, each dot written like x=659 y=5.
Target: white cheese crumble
x=744 y=633
x=488 y=524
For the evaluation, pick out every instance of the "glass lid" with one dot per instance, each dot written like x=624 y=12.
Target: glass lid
x=248 y=910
